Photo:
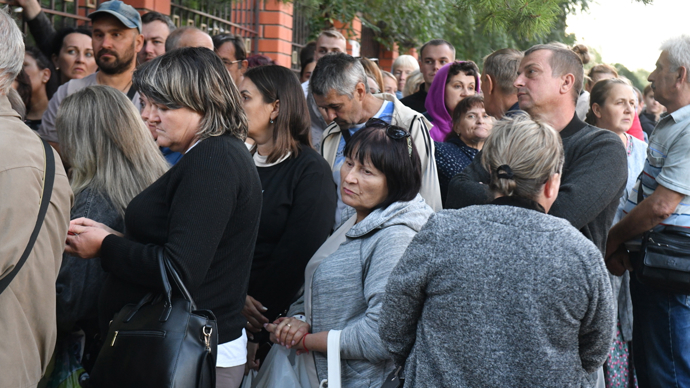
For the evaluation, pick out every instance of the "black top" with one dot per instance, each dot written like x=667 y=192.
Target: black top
x=299 y=201
x=648 y=122
x=416 y=101
x=594 y=176
x=205 y=213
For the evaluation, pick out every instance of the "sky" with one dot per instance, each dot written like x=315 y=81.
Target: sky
x=629 y=32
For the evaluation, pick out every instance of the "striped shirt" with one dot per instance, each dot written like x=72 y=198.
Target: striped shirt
x=668 y=164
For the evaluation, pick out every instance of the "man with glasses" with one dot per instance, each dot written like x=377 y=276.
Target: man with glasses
x=339 y=87
x=231 y=50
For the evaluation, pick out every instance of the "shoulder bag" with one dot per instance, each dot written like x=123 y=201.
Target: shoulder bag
x=665 y=258
x=161 y=342
x=48 y=180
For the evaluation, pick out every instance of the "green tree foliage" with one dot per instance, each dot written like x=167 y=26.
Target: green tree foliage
x=638 y=77
x=474 y=27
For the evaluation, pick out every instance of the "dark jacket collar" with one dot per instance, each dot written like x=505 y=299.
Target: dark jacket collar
x=518 y=202
x=573 y=126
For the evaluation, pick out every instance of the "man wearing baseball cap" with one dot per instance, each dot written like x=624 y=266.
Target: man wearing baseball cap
x=116 y=40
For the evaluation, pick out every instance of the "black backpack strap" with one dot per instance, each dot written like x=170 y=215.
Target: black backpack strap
x=48 y=180
x=131 y=92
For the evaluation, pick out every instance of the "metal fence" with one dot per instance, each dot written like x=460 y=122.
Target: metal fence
x=62 y=13
x=300 y=33
x=239 y=18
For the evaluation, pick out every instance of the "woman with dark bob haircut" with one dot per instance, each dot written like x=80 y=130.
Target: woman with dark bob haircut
x=202 y=214
x=299 y=197
x=346 y=278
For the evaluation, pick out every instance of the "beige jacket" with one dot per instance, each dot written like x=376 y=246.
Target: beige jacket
x=27 y=307
x=418 y=126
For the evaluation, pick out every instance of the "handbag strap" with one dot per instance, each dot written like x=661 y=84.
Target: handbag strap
x=48 y=180
x=333 y=356
x=164 y=264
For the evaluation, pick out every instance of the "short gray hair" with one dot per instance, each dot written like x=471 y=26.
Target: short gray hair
x=405 y=60
x=195 y=78
x=502 y=65
x=11 y=51
x=678 y=49
x=339 y=72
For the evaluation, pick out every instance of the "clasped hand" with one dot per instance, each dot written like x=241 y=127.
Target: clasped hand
x=288 y=332
x=85 y=237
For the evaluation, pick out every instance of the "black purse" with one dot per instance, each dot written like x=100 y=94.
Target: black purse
x=161 y=342
x=665 y=258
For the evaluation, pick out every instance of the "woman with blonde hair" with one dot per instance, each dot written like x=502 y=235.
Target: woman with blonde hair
x=482 y=292
x=113 y=158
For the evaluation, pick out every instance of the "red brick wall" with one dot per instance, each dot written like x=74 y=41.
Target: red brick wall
x=275 y=31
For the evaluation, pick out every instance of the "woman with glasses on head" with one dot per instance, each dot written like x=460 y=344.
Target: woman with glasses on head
x=380 y=180
x=503 y=294
x=202 y=215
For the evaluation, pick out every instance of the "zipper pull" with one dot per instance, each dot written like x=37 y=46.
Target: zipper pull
x=114 y=338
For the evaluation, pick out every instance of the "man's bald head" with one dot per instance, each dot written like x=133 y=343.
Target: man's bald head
x=188 y=37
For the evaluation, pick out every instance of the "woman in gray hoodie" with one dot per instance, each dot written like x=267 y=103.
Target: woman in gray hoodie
x=502 y=294
x=380 y=180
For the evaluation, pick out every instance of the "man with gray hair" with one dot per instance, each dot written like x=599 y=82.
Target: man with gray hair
x=339 y=86
x=188 y=37
x=27 y=294
x=329 y=42
x=661 y=317
x=500 y=71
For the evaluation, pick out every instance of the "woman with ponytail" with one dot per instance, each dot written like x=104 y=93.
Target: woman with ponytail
x=502 y=294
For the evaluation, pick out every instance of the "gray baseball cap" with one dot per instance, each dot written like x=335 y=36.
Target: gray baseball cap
x=123 y=12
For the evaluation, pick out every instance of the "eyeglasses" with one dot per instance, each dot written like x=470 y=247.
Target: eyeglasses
x=392 y=131
x=230 y=63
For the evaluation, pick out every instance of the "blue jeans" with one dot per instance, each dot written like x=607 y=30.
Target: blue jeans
x=661 y=336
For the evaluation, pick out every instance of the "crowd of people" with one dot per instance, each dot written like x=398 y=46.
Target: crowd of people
x=437 y=225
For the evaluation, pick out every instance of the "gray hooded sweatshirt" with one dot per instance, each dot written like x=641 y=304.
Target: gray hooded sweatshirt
x=348 y=290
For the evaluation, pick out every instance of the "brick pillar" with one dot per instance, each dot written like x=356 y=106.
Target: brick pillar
x=143 y=6
x=275 y=31
x=386 y=57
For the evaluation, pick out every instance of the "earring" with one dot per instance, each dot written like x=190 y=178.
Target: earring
x=270 y=121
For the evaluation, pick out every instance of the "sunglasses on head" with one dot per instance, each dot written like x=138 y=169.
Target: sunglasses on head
x=392 y=131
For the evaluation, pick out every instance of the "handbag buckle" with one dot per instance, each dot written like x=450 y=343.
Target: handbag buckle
x=207 y=337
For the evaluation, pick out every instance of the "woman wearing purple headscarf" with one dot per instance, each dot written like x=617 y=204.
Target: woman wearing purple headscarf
x=452 y=83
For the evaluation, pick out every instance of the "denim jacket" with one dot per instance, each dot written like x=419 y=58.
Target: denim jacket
x=79 y=281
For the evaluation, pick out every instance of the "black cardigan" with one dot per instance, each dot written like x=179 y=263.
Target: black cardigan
x=205 y=213
x=299 y=201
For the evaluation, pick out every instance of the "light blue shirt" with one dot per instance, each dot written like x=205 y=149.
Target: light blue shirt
x=668 y=164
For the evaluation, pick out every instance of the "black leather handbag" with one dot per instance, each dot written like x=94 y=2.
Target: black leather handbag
x=161 y=342
x=664 y=261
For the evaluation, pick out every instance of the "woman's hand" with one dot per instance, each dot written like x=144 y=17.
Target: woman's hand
x=83 y=221
x=85 y=237
x=252 y=361
x=253 y=312
x=288 y=332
